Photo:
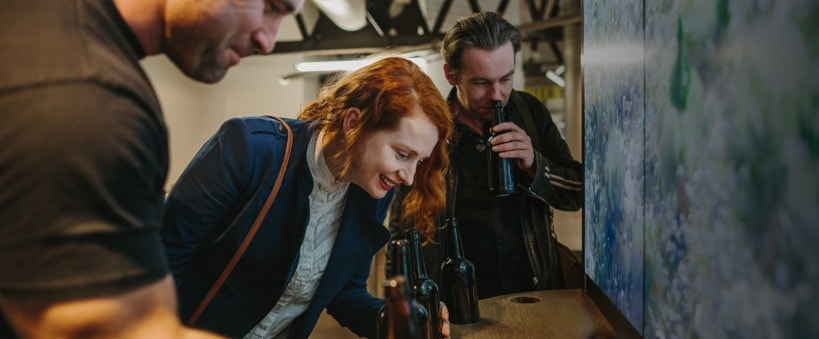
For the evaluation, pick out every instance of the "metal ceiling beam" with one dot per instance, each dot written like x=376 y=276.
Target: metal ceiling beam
x=549 y=23
x=409 y=30
x=382 y=31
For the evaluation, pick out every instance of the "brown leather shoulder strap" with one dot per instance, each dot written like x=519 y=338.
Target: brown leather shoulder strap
x=250 y=233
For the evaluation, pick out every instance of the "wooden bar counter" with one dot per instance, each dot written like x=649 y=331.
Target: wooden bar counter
x=560 y=314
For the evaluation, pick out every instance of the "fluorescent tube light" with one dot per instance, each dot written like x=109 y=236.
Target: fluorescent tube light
x=329 y=66
x=346 y=65
x=558 y=80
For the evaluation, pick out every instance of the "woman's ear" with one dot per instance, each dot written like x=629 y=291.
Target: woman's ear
x=351 y=118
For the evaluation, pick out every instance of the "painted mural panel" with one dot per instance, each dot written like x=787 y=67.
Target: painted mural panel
x=724 y=186
x=732 y=152
x=613 y=151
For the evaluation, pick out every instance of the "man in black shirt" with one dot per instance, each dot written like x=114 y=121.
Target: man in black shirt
x=510 y=239
x=86 y=155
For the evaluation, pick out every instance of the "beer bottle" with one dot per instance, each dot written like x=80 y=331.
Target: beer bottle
x=398 y=311
x=501 y=182
x=460 y=293
x=400 y=265
x=424 y=289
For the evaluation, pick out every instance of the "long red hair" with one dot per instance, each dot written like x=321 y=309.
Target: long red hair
x=386 y=91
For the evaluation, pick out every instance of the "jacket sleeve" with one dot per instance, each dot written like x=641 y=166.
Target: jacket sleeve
x=207 y=192
x=355 y=308
x=558 y=177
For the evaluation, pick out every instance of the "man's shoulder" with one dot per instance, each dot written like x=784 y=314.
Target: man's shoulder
x=526 y=96
x=534 y=104
x=528 y=106
x=81 y=43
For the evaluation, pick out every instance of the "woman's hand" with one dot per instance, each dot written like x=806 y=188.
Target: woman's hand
x=444 y=312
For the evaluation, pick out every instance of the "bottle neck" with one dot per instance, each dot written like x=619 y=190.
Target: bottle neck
x=456 y=249
x=497 y=113
x=399 y=253
x=420 y=269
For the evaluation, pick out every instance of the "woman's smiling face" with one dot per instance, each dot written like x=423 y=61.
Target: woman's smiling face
x=390 y=157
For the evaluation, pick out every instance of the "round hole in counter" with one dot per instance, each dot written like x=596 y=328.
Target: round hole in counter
x=525 y=300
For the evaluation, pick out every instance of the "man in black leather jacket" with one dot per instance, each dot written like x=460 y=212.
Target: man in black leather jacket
x=510 y=239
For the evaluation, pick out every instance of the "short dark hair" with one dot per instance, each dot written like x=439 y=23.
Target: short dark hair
x=485 y=30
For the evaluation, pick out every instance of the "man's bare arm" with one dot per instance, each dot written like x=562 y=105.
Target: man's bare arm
x=147 y=312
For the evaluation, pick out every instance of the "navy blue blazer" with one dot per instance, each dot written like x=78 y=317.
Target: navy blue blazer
x=211 y=208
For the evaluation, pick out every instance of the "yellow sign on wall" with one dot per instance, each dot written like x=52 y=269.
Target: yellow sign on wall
x=545 y=93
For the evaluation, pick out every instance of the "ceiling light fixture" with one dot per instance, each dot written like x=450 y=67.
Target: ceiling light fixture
x=349 y=15
x=347 y=65
x=557 y=79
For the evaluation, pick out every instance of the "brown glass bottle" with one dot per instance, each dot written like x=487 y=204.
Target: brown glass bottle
x=501 y=182
x=398 y=310
x=424 y=289
x=398 y=250
x=458 y=284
